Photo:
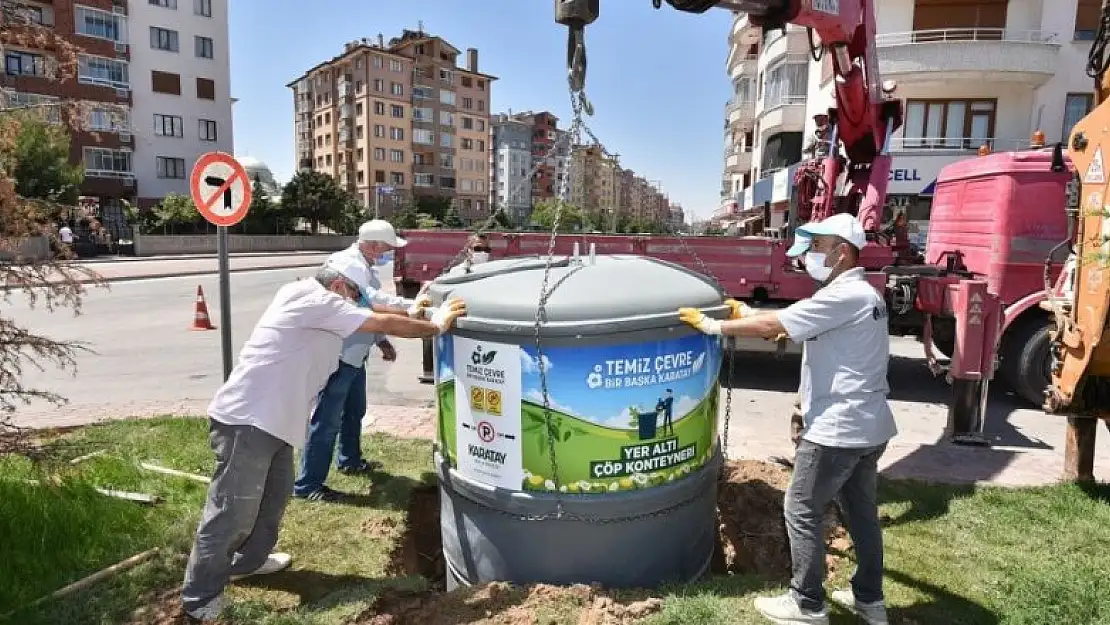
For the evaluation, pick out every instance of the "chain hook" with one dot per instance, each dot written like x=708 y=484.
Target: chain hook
x=576 y=58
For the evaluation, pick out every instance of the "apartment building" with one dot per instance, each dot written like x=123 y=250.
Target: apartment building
x=396 y=122
x=117 y=139
x=543 y=136
x=595 y=180
x=181 y=74
x=512 y=162
x=970 y=72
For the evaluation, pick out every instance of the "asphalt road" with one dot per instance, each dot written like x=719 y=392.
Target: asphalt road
x=144 y=360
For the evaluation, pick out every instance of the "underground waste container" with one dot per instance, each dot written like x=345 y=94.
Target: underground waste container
x=633 y=399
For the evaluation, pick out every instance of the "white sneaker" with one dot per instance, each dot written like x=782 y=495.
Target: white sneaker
x=784 y=610
x=274 y=563
x=209 y=612
x=871 y=613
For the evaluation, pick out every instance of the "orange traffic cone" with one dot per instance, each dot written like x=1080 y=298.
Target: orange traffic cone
x=201 y=321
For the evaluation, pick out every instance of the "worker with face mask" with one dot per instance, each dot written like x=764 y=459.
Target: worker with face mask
x=847 y=421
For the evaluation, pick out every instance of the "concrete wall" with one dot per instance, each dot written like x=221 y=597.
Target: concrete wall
x=157 y=245
x=32 y=249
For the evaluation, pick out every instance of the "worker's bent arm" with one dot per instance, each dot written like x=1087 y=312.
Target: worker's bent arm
x=388 y=310
x=762 y=325
x=399 y=325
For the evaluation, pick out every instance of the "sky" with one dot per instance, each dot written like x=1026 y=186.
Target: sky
x=657 y=79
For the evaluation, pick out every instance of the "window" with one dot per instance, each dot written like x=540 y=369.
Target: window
x=169 y=167
x=481 y=85
x=468 y=103
x=467 y=144
x=165 y=4
x=100 y=24
x=27 y=13
x=1076 y=107
x=424 y=137
x=481 y=125
x=785 y=83
x=207 y=129
x=424 y=180
x=481 y=105
x=423 y=93
x=468 y=123
x=206 y=89
x=398 y=111
x=203 y=47
x=445 y=75
x=379 y=85
x=24 y=64
x=379 y=176
x=447 y=161
x=481 y=145
x=446 y=118
x=422 y=114
x=97 y=70
x=379 y=108
x=44 y=104
x=358 y=109
x=163 y=39
x=379 y=131
x=467 y=81
x=396 y=88
x=396 y=66
x=447 y=97
x=378 y=63
x=361 y=176
x=105 y=163
x=165 y=82
x=951 y=124
x=396 y=178
x=379 y=154
x=397 y=156
x=446 y=182
x=202 y=7
x=446 y=139
x=397 y=134
x=100 y=119
x=358 y=131
x=168 y=125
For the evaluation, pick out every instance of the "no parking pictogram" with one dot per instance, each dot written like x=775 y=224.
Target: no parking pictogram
x=486 y=432
x=220 y=188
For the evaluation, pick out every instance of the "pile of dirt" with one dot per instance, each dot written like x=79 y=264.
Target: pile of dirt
x=503 y=604
x=161 y=609
x=751 y=530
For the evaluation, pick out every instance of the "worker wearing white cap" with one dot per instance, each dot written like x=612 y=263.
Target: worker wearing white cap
x=847 y=421
x=342 y=405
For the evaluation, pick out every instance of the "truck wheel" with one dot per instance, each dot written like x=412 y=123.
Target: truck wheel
x=944 y=336
x=1027 y=359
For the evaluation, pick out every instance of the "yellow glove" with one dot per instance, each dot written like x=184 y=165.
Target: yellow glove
x=739 y=309
x=419 y=305
x=445 y=316
x=697 y=319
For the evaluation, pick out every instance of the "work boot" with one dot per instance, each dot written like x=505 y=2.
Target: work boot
x=871 y=613
x=207 y=613
x=784 y=610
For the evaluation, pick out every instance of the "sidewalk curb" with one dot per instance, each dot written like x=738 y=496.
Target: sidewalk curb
x=197 y=272
x=98 y=260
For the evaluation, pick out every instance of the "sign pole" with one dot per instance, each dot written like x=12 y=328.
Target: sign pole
x=221 y=191
x=225 y=298
x=377 y=201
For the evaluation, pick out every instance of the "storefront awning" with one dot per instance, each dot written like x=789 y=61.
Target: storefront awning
x=778 y=187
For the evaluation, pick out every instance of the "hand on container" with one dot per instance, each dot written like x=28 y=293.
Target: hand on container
x=420 y=305
x=697 y=319
x=739 y=309
x=444 y=317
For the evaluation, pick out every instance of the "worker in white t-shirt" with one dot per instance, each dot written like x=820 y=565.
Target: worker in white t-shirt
x=260 y=415
x=65 y=234
x=847 y=420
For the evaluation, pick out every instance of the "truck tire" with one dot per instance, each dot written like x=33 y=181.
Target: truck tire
x=944 y=336
x=1027 y=359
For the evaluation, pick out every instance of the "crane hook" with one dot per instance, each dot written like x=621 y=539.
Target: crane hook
x=576 y=15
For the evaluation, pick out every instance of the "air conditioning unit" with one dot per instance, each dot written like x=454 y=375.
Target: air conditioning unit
x=125 y=137
x=123 y=94
x=121 y=48
x=128 y=182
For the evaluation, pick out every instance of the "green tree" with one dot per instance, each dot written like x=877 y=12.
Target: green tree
x=177 y=214
x=264 y=215
x=42 y=167
x=451 y=219
x=434 y=207
x=571 y=219
x=501 y=221
x=406 y=218
x=316 y=198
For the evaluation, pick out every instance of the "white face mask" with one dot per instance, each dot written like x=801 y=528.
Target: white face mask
x=815 y=266
x=477 y=258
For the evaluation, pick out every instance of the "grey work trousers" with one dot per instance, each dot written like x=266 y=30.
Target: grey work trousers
x=850 y=476
x=246 y=501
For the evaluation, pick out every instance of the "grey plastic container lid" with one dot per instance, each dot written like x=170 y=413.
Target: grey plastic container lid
x=614 y=293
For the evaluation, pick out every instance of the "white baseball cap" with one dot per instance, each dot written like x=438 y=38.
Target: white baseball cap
x=381 y=231
x=351 y=268
x=841 y=225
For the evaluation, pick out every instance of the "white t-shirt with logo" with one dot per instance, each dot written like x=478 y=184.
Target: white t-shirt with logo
x=65 y=234
x=844 y=363
x=287 y=361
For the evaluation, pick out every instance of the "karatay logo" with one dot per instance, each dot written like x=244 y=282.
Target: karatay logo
x=479 y=358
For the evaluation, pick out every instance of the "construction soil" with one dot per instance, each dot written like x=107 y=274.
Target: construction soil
x=751 y=540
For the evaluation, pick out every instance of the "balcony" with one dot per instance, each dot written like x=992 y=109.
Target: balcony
x=782 y=114
x=741 y=62
x=738 y=160
x=962 y=146
x=740 y=113
x=969 y=54
x=743 y=31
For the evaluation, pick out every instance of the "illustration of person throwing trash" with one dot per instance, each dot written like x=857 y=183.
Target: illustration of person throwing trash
x=667 y=406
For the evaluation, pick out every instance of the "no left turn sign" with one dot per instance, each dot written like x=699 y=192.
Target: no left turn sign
x=220 y=188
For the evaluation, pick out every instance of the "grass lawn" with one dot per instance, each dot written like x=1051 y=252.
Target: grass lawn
x=954 y=555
